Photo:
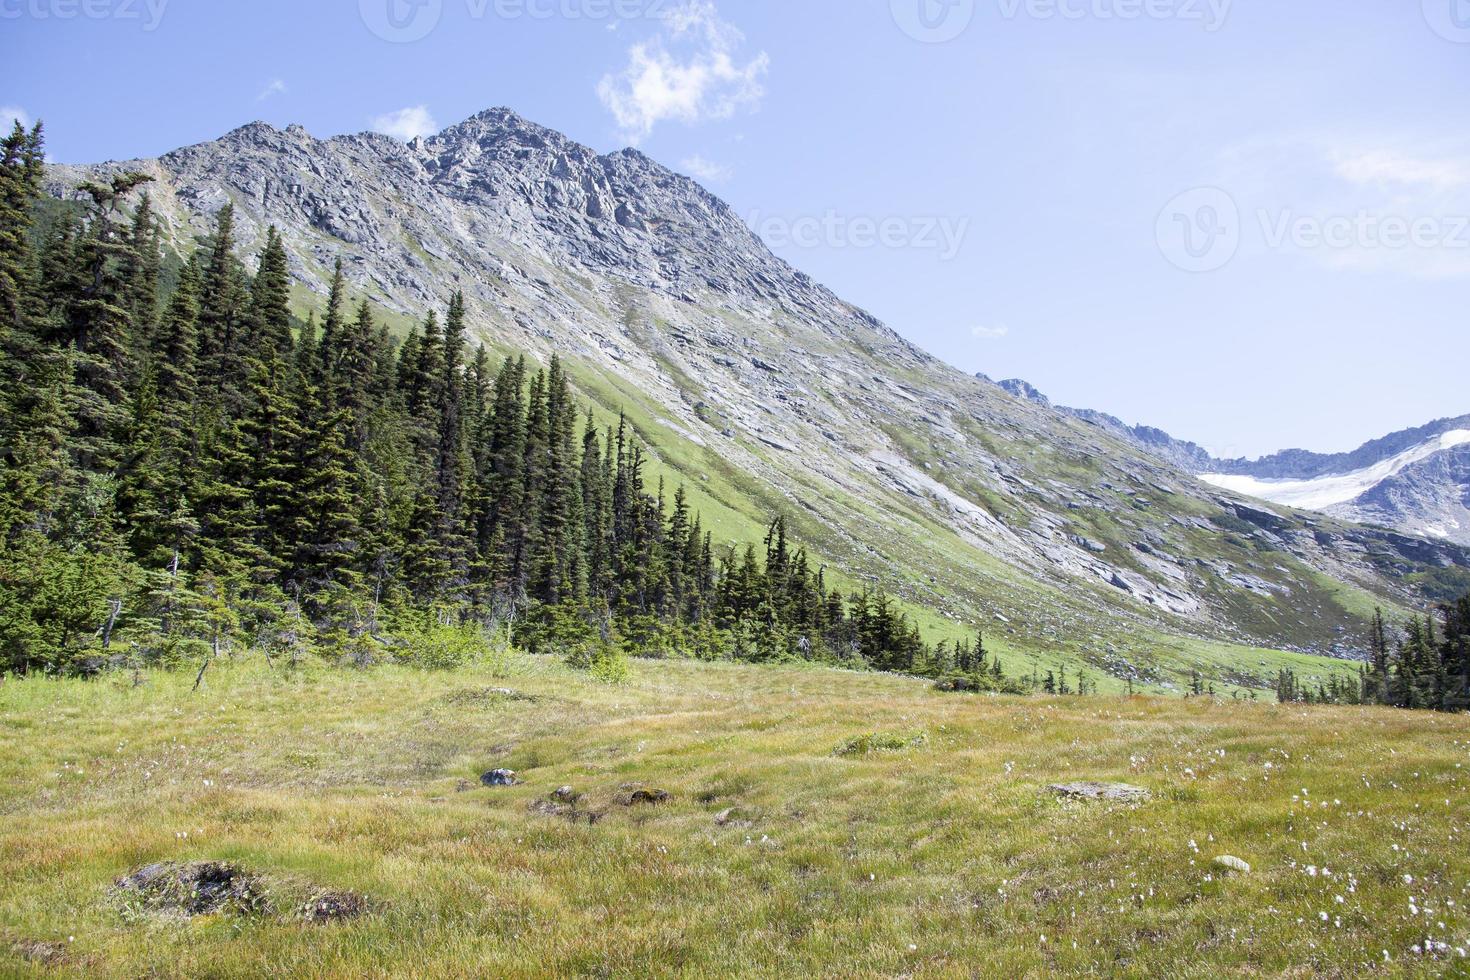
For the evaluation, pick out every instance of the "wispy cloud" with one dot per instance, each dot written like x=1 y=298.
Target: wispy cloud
x=1389 y=166
x=1367 y=203
x=406 y=124
x=990 y=333
x=273 y=88
x=691 y=71
x=10 y=115
x=707 y=170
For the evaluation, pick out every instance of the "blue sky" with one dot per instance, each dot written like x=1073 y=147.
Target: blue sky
x=1246 y=221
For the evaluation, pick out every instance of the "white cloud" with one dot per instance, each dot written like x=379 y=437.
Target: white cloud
x=707 y=170
x=990 y=333
x=1363 y=203
x=276 y=86
x=688 y=72
x=10 y=115
x=1380 y=166
x=406 y=124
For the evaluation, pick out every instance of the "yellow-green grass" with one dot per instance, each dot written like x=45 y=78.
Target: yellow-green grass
x=945 y=857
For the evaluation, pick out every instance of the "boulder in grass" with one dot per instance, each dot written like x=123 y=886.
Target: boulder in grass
x=633 y=794
x=1228 y=862
x=193 y=889
x=499 y=777
x=1108 y=792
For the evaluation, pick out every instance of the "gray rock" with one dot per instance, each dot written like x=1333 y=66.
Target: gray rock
x=499 y=777
x=1087 y=543
x=1113 y=792
x=1226 y=862
x=635 y=794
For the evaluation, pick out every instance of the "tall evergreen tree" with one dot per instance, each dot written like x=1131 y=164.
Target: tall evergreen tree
x=100 y=326
x=223 y=318
x=269 y=320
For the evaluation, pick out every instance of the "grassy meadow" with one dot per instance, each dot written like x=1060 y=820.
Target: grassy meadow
x=931 y=848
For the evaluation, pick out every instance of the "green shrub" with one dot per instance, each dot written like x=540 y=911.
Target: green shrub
x=439 y=646
x=881 y=742
x=610 y=665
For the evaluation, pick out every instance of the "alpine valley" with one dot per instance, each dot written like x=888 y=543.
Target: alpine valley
x=1416 y=481
x=1068 y=541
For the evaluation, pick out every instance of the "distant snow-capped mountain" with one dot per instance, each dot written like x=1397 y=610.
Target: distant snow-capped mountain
x=1416 y=481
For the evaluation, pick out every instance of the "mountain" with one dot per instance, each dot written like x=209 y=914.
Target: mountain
x=763 y=391
x=1185 y=455
x=1416 y=481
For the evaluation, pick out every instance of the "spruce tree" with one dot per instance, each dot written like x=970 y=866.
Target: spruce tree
x=223 y=318
x=100 y=326
x=269 y=320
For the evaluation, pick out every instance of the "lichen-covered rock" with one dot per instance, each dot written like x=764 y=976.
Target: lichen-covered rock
x=196 y=888
x=634 y=794
x=1112 y=792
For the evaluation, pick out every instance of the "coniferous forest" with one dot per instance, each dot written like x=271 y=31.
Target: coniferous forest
x=187 y=468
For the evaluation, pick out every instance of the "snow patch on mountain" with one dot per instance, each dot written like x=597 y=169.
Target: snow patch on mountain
x=1329 y=491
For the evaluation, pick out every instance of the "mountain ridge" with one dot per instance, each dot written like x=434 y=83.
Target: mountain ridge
x=1426 y=492
x=763 y=389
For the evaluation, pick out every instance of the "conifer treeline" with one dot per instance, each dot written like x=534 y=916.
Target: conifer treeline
x=1428 y=668
x=189 y=465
